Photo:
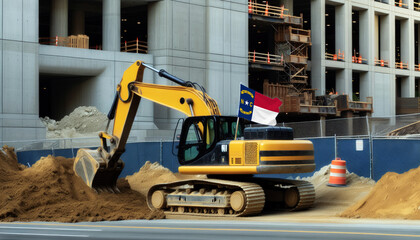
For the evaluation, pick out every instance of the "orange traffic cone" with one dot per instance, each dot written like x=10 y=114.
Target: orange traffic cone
x=250 y=6
x=400 y=3
x=337 y=173
x=253 y=59
x=268 y=58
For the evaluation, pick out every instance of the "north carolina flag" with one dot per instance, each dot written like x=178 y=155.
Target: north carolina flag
x=258 y=108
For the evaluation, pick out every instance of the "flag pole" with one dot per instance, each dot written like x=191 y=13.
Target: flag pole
x=236 y=129
x=237 y=120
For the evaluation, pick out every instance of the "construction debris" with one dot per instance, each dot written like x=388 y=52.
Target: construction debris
x=50 y=191
x=82 y=122
x=410 y=129
x=394 y=196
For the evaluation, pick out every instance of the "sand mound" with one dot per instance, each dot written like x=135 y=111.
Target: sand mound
x=49 y=191
x=394 y=196
x=82 y=122
x=149 y=175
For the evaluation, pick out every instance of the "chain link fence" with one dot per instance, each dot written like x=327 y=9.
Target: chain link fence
x=397 y=126
x=401 y=126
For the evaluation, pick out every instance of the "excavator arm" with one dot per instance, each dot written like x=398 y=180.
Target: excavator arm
x=100 y=168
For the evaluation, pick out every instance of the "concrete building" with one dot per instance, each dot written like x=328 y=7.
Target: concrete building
x=204 y=41
x=200 y=41
x=384 y=33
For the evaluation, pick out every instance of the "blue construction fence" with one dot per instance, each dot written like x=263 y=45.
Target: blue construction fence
x=364 y=156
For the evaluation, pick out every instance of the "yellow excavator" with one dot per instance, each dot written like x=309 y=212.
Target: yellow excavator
x=221 y=147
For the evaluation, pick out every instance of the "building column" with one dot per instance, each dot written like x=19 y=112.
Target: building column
x=365 y=86
x=343 y=24
x=406 y=40
x=318 y=45
x=418 y=46
x=364 y=35
x=111 y=25
x=407 y=87
x=288 y=4
x=78 y=22
x=59 y=18
x=343 y=81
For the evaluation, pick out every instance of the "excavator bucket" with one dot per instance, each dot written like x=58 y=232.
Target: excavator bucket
x=95 y=172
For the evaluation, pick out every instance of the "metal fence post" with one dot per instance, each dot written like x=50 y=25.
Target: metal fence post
x=370 y=149
x=335 y=146
x=72 y=150
x=52 y=149
x=161 y=152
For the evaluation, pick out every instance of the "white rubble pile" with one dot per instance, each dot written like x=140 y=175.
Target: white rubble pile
x=82 y=122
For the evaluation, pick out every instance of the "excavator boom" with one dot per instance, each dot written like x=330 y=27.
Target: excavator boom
x=100 y=168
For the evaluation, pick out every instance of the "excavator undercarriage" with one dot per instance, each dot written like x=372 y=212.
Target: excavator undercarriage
x=217 y=197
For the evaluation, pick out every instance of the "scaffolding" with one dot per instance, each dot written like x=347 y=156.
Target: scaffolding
x=290 y=40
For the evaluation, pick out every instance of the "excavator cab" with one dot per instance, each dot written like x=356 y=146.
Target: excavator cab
x=202 y=137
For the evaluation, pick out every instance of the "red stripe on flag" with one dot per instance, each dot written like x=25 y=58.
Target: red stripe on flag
x=263 y=101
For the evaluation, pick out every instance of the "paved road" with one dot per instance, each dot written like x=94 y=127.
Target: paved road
x=204 y=229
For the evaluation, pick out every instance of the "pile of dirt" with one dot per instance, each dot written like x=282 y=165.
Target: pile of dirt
x=336 y=199
x=410 y=129
x=50 y=191
x=82 y=122
x=153 y=173
x=394 y=196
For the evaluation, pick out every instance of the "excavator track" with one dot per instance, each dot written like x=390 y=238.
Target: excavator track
x=306 y=193
x=216 y=197
x=207 y=197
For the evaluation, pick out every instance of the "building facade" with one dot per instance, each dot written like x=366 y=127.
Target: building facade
x=204 y=41
x=383 y=33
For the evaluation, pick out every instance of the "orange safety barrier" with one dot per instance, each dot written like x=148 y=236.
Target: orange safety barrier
x=360 y=59
x=337 y=173
x=335 y=57
x=281 y=12
x=250 y=6
x=56 y=40
x=268 y=57
x=266 y=9
x=400 y=3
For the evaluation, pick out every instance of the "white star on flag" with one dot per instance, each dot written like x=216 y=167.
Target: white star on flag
x=246 y=103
